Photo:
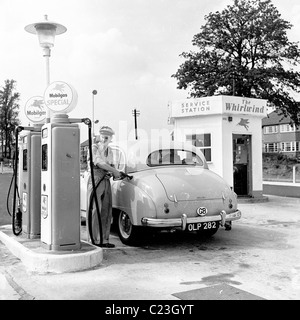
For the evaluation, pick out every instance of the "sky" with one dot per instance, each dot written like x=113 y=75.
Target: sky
x=127 y=50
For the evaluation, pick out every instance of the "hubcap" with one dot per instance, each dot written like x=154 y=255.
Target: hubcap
x=125 y=225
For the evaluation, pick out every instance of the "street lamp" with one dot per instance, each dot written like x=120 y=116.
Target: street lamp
x=94 y=92
x=46 y=31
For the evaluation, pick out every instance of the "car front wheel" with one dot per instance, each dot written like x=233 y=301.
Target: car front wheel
x=128 y=233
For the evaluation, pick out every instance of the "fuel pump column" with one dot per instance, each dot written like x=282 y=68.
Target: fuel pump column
x=60 y=184
x=30 y=180
x=60 y=171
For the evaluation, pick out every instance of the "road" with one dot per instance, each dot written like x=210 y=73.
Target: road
x=258 y=259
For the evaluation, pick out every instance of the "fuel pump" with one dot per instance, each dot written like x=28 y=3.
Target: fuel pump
x=26 y=209
x=30 y=180
x=28 y=160
x=60 y=184
x=60 y=171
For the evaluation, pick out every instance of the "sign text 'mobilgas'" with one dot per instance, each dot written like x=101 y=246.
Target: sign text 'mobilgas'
x=57 y=95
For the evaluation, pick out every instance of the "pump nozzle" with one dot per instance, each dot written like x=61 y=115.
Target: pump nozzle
x=87 y=121
x=124 y=175
x=19 y=219
x=17 y=222
x=19 y=128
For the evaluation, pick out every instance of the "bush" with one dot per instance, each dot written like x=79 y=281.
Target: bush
x=278 y=166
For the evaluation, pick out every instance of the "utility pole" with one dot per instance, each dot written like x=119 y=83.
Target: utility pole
x=135 y=114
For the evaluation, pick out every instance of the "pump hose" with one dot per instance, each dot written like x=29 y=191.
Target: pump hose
x=93 y=196
x=16 y=216
x=9 y=191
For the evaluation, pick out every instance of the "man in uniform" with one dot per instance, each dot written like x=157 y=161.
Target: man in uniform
x=104 y=168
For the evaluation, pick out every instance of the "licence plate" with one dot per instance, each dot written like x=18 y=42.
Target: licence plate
x=202 y=226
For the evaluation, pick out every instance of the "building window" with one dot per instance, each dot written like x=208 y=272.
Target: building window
x=203 y=142
x=286 y=128
x=271 y=147
x=290 y=146
x=270 y=129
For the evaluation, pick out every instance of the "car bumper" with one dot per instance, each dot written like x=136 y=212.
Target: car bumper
x=184 y=220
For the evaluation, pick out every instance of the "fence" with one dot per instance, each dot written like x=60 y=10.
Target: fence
x=291 y=175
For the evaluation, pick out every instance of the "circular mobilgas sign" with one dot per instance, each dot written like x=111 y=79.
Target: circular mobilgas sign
x=35 y=109
x=60 y=97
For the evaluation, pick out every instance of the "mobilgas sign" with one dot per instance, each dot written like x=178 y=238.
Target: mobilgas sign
x=35 y=109
x=60 y=97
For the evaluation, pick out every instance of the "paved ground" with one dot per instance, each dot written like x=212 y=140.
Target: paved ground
x=258 y=259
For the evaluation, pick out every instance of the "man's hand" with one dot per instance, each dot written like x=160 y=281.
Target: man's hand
x=117 y=175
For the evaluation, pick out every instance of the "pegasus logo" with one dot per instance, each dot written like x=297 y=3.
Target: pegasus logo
x=59 y=87
x=244 y=123
x=38 y=104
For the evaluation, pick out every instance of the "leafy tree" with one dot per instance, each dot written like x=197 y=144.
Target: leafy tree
x=9 y=111
x=244 y=50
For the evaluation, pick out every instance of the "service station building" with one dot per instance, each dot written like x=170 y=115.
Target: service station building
x=228 y=130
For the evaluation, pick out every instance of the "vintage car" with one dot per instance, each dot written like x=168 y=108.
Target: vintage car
x=170 y=187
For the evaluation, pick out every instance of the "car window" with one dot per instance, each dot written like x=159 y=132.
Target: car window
x=169 y=157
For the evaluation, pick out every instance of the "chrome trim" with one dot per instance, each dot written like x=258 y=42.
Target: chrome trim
x=184 y=220
x=175 y=199
x=223 y=218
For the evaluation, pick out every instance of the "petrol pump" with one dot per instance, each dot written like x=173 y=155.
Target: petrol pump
x=30 y=181
x=60 y=171
x=29 y=150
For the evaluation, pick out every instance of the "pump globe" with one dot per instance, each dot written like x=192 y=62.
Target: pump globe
x=60 y=97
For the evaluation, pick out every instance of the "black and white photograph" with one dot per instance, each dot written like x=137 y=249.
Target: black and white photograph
x=150 y=153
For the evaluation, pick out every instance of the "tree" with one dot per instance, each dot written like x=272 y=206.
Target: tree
x=9 y=111
x=244 y=50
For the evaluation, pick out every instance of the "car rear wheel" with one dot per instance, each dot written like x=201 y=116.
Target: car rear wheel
x=128 y=233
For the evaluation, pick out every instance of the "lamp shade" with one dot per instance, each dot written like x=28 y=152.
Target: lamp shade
x=46 y=31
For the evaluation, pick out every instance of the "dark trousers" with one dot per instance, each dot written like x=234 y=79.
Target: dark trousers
x=103 y=194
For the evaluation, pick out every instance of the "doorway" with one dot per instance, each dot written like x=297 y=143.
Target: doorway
x=242 y=164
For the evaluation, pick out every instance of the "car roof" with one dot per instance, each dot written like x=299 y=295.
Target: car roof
x=137 y=151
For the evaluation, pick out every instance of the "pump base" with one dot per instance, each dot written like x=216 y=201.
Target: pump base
x=32 y=236
x=65 y=247
x=37 y=259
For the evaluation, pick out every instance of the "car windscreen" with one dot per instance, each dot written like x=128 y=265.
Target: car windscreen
x=171 y=157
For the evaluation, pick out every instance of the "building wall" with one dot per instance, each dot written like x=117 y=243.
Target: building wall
x=200 y=125
x=280 y=140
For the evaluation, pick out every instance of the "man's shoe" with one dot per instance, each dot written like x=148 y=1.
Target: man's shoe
x=107 y=245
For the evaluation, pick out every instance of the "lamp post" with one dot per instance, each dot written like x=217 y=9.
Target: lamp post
x=46 y=31
x=94 y=92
